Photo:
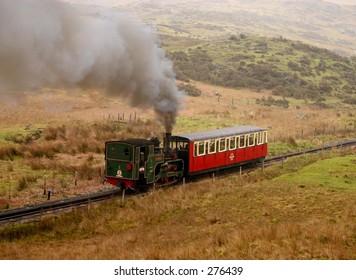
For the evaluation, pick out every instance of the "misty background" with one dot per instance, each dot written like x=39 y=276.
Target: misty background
x=327 y=24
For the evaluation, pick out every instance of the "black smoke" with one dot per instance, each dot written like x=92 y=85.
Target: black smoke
x=51 y=43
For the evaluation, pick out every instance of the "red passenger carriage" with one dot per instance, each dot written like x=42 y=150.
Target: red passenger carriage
x=221 y=148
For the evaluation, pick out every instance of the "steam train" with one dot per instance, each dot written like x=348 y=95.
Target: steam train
x=138 y=163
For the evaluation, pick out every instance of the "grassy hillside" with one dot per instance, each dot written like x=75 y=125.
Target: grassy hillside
x=316 y=22
x=256 y=216
x=288 y=68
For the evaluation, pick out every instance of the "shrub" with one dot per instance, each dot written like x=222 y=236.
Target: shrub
x=10 y=167
x=233 y=38
x=54 y=133
x=24 y=137
x=270 y=101
x=190 y=90
x=350 y=100
x=293 y=65
x=22 y=184
x=8 y=152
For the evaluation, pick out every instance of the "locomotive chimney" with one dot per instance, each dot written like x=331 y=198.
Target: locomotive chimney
x=167 y=140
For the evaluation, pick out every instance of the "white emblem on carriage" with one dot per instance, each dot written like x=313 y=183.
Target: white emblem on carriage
x=232 y=157
x=119 y=173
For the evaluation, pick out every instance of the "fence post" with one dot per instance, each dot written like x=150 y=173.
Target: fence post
x=49 y=192
x=45 y=186
x=9 y=190
x=75 y=178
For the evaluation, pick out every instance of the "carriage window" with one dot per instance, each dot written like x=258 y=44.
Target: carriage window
x=265 y=136
x=259 y=138
x=212 y=147
x=182 y=145
x=251 y=140
x=232 y=143
x=242 y=143
x=199 y=149
x=222 y=146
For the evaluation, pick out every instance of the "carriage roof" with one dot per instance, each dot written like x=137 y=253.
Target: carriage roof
x=218 y=133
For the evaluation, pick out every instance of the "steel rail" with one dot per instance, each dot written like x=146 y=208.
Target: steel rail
x=31 y=212
x=338 y=145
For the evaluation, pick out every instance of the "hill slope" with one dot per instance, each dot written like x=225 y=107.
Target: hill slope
x=318 y=22
x=289 y=68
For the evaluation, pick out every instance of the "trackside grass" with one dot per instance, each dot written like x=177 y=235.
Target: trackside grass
x=267 y=215
x=337 y=173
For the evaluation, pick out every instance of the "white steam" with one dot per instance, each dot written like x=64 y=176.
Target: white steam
x=50 y=43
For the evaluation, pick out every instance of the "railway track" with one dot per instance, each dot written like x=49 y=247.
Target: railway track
x=28 y=213
x=343 y=144
x=31 y=213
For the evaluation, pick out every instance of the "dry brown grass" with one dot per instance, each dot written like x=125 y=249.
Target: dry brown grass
x=301 y=121
x=7 y=152
x=250 y=217
x=56 y=107
x=64 y=154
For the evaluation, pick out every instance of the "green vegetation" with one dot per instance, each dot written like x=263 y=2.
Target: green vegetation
x=189 y=89
x=270 y=101
x=19 y=135
x=210 y=120
x=288 y=68
x=334 y=173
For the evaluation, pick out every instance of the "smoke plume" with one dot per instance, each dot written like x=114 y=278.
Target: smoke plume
x=50 y=43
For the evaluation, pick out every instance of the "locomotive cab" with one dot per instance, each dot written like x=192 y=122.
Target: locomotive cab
x=180 y=148
x=135 y=163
